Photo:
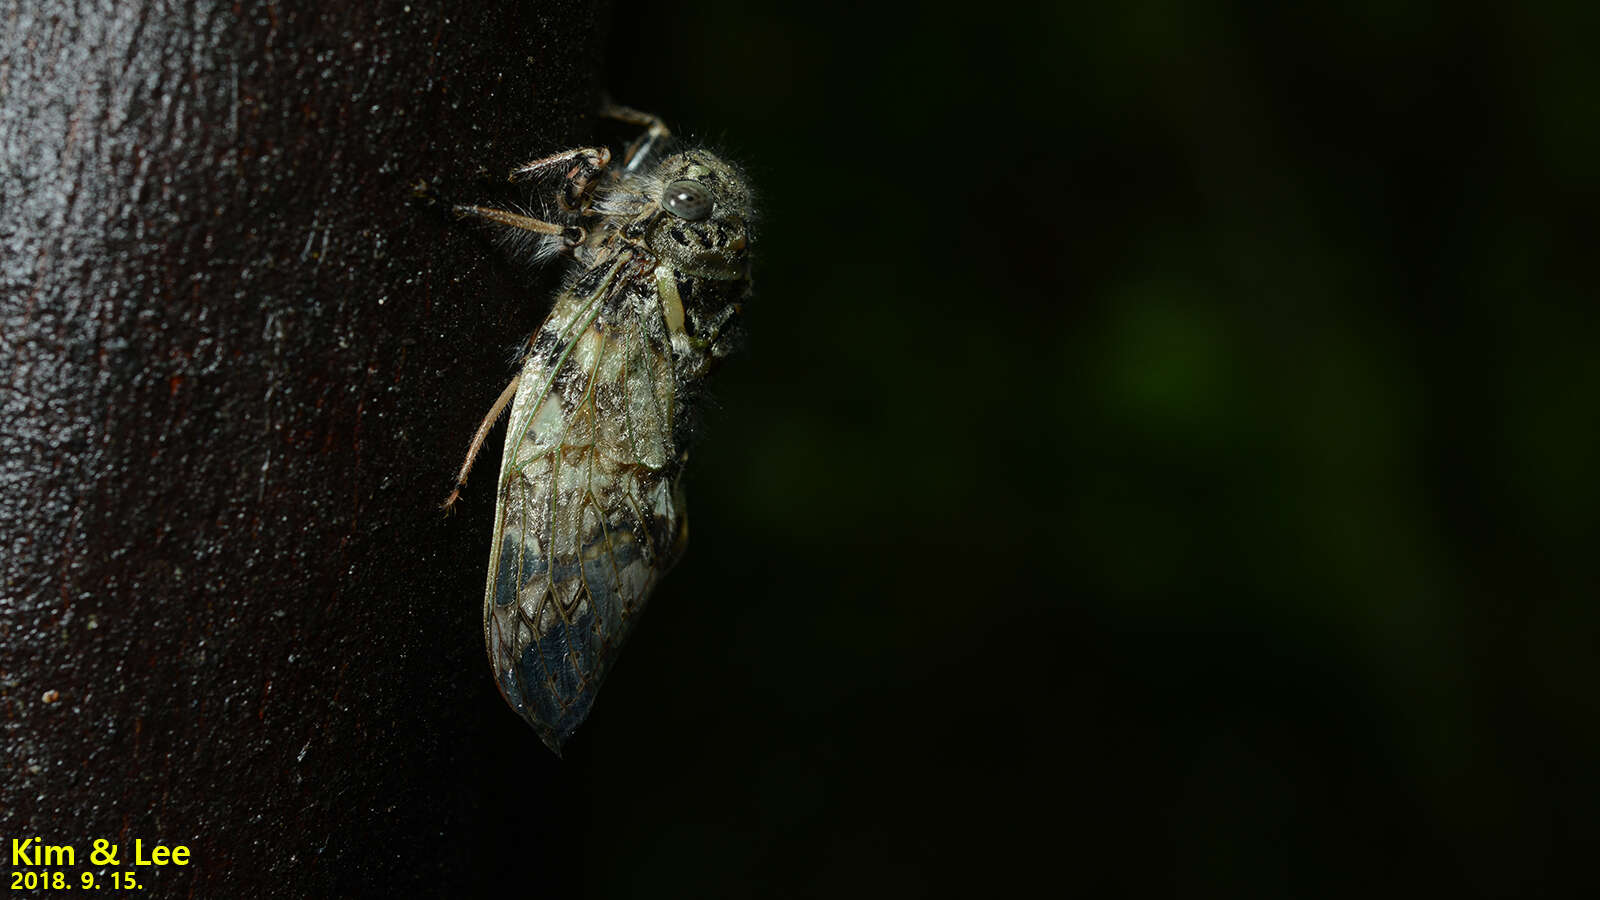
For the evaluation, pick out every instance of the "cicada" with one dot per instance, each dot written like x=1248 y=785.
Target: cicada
x=590 y=510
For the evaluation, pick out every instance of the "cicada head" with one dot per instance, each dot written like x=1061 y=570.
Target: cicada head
x=705 y=216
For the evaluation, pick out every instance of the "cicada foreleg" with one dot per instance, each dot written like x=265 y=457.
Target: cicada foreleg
x=583 y=165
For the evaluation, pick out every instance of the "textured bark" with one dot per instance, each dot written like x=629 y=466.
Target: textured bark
x=238 y=363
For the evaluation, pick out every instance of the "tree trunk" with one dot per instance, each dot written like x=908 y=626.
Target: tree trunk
x=241 y=361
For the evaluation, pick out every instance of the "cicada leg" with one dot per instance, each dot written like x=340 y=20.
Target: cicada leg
x=583 y=164
x=571 y=234
x=639 y=150
x=477 y=439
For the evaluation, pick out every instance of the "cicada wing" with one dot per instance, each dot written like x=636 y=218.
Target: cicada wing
x=588 y=516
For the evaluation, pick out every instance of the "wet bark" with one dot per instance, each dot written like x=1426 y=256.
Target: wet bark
x=239 y=361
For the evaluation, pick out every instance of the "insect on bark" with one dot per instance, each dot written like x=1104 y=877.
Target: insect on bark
x=590 y=511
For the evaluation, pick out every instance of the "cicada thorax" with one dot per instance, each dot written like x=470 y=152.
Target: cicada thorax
x=711 y=323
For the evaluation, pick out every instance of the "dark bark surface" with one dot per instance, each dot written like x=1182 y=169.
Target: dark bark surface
x=238 y=363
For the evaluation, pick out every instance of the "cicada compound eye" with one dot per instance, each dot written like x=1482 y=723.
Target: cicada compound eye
x=686 y=200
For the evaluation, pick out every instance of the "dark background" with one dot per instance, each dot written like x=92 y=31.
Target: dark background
x=1161 y=464
x=1164 y=461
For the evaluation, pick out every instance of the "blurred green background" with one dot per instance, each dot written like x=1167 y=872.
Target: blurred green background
x=1162 y=461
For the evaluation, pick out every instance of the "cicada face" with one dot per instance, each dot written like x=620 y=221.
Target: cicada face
x=705 y=231
x=590 y=512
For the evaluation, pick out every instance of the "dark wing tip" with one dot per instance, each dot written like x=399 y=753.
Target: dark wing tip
x=551 y=739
